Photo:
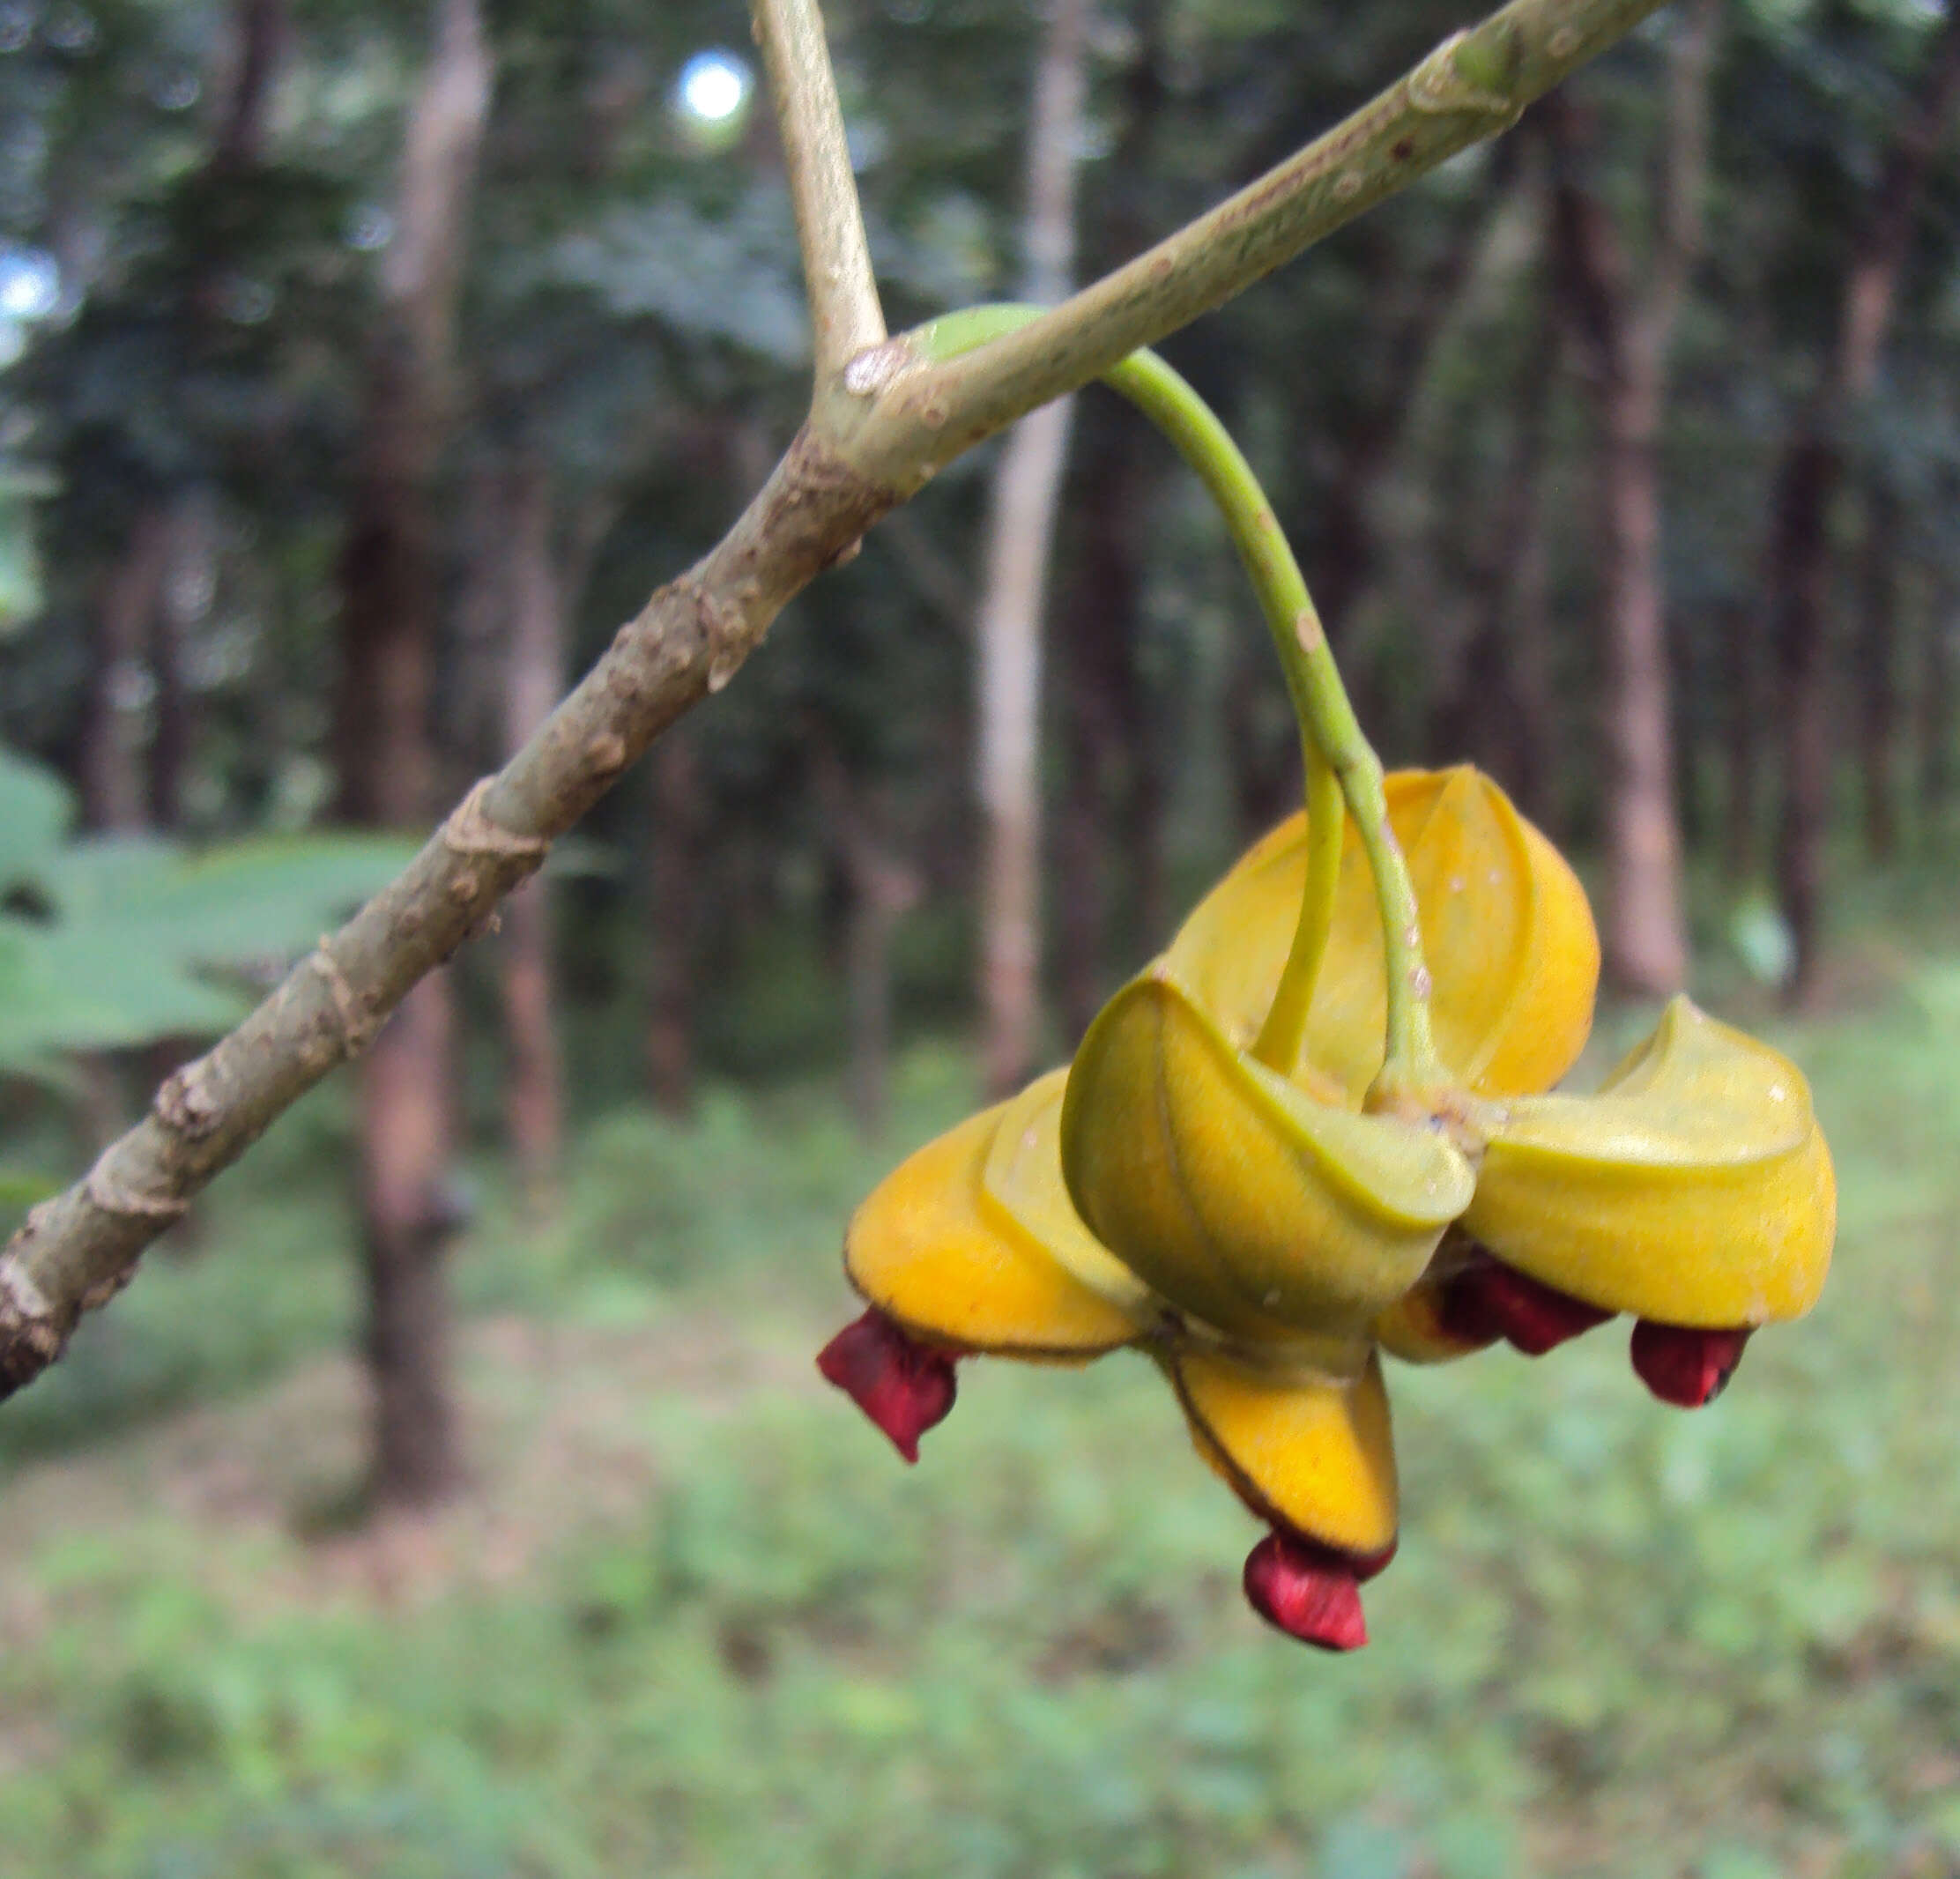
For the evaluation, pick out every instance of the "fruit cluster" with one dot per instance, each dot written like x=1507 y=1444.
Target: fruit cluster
x=1264 y=1230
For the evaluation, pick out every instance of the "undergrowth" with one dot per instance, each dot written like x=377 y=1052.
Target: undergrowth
x=1618 y=1640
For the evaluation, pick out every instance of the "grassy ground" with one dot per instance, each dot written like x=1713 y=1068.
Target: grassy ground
x=693 y=1618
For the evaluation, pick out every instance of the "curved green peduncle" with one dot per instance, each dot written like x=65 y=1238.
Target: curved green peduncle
x=1341 y=764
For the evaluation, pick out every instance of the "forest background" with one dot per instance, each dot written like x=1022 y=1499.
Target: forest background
x=452 y=1493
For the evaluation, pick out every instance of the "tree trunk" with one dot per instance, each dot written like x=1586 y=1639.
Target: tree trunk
x=674 y=833
x=190 y=581
x=534 y=1077
x=1799 y=570
x=1645 y=942
x=1939 y=657
x=1644 y=933
x=388 y=578
x=1081 y=844
x=172 y=592
x=1531 y=767
x=1109 y=760
x=1742 y=694
x=1021 y=530
x=882 y=888
x=1800 y=579
x=409 y=1212
x=251 y=54
x=114 y=796
x=170 y=743
x=1498 y=712
x=1877 y=654
x=1110 y=844
x=1627 y=335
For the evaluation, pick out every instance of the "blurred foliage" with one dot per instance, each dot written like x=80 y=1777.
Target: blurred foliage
x=114 y=941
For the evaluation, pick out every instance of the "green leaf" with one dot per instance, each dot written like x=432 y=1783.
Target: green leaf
x=140 y=926
x=35 y=810
x=64 y=990
x=224 y=905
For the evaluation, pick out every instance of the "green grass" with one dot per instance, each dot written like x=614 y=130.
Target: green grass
x=1618 y=1640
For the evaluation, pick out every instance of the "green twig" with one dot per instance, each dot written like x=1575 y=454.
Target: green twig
x=845 y=318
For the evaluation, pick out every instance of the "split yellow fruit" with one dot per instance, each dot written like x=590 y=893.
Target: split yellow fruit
x=1264 y=1234
x=1234 y=1195
x=1695 y=1189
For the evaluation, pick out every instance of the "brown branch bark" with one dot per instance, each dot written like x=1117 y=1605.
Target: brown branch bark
x=866 y=448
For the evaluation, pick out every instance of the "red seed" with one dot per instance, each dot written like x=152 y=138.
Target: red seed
x=1311 y=1593
x=1684 y=1366
x=902 y=1386
x=1491 y=1300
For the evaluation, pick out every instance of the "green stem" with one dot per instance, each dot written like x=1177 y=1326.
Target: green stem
x=1177 y=411
x=1338 y=760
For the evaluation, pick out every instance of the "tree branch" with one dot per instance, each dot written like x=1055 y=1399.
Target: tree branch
x=845 y=318
x=74 y=1252
x=1473 y=86
x=873 y=440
